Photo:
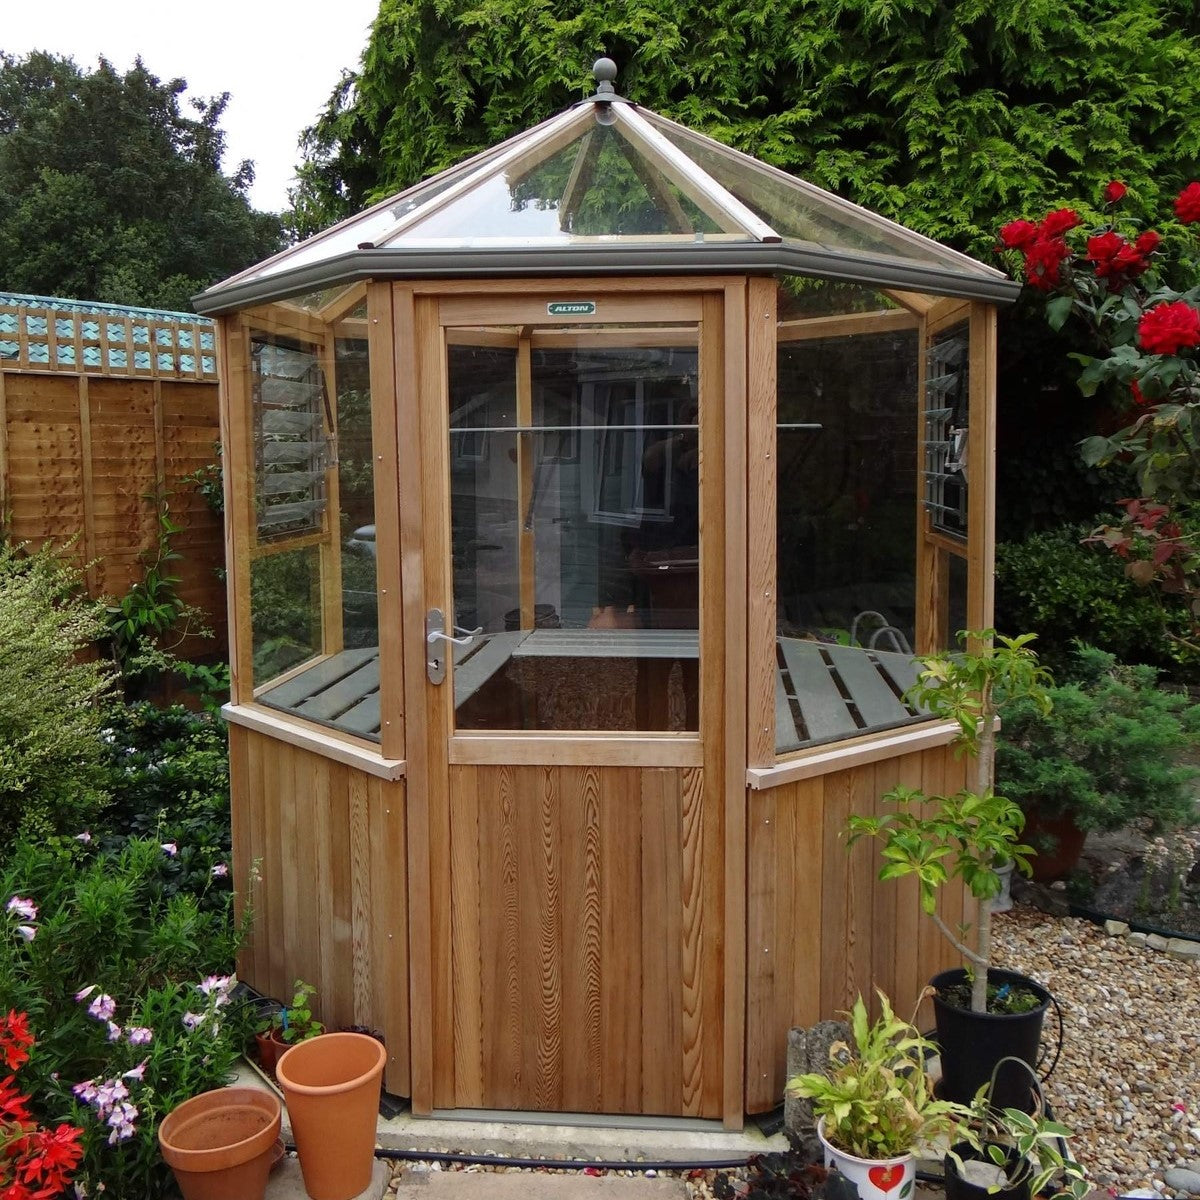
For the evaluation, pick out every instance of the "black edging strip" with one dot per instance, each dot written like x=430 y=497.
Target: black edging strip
x=1098 y=918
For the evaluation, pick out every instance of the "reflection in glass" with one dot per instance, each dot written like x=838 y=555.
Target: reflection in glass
x=598 y=185
x=576 y=532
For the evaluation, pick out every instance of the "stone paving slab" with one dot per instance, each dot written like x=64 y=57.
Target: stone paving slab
x=287 y=1182
x=525 y=1185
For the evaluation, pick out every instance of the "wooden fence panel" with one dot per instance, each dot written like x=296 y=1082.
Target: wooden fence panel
x=98 y=411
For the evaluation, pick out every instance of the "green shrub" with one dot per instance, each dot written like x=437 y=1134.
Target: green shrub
x=1052 y=585
x=51 y=777
x=124 y=980
x=169 y=778
x=1106 y=753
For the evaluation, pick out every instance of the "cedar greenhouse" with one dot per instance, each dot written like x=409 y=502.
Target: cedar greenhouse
x=587 y=503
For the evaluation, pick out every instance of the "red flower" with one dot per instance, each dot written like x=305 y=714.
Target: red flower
x=1059 y=221
x=1147 y=242
x=1187 y=204
x=1043 y=262
x=1017 y=235
x=1169 y=328
x=15 y=1039
x=1138 y=398
x=1114 y=192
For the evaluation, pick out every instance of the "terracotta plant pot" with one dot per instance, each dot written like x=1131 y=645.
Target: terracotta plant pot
x=222 y=1143
x=1063 y=841
x=331 y=1087
x=270 y=1046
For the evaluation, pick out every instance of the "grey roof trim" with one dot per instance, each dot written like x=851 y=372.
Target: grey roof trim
x=690 y=258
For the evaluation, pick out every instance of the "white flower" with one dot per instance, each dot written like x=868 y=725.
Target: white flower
x=114 y=1032
x=103 y=1007
x=83 y=837
x=84 y=993
x=26 y=909
x=219 y=871
x=169 y=849
x=192 y=1020
x=28 y=932
x=139 y=1035
x=137 y=1072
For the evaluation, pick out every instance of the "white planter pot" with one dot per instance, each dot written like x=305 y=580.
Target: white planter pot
x=875 y=1178
x=1003 y=902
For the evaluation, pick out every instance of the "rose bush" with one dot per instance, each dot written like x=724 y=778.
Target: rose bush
x=1145 y=336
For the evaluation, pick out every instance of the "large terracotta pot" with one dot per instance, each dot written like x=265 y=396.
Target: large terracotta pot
x=222 y=1143
x=331 y=1086
x=1063 y=841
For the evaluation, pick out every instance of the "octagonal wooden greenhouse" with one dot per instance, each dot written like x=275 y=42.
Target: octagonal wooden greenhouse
x=587 y=504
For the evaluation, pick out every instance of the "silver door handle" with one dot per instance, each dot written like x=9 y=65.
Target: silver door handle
x=438 y=635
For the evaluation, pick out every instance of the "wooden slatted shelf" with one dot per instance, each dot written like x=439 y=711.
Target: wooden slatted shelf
x=822 y=692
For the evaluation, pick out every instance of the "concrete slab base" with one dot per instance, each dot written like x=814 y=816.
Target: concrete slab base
x=467 y=1185
x=508 y=1135
x=287 y=1182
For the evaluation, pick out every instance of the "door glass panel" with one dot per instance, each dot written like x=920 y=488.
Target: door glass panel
x=575 y=501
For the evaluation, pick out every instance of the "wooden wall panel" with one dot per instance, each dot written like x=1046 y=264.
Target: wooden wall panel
x=822 y=927
x=327 y=847
x=586 y=942
x=83 y=456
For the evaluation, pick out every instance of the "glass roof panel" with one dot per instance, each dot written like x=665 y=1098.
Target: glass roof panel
x=598 y=185
x=805 y=213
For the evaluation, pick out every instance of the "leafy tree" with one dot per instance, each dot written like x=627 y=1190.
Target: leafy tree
x=109 y=192
x=945 y=115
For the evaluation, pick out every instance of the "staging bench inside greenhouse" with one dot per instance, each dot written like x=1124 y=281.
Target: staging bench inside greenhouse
x=587 y=505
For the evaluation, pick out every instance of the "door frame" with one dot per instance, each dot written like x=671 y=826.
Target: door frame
x=421 y=313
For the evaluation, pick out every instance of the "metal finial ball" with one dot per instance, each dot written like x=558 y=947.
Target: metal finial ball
x=604 y=70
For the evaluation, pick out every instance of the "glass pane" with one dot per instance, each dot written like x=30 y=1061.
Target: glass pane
x=598 y=185
x=314 y=592
x=846 y=516
x=576 y=529
x=800 y=211
x=285 y=606
x=956 y=600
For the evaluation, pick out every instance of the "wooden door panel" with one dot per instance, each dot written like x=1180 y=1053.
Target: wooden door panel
x=587 y=947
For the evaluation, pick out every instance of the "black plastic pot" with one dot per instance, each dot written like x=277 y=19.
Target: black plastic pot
x=971 y=1044
x=958 y=1188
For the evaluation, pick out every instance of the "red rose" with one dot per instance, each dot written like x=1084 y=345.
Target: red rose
x=1187 y=204
x=1043 y=261
x=1016 y=235
x=1128 y=262
x=1138 y=398
x=1169 y=328
x=1114 y=192
x=1059 y=221
x=1103 y=248
x=1147 y=242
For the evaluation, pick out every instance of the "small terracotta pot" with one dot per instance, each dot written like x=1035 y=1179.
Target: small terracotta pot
x=331 y=1086
x=270 y=1046
x=222 y=1143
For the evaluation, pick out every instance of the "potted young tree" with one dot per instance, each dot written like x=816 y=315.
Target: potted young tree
x=983 y=1014
x=876 y=1105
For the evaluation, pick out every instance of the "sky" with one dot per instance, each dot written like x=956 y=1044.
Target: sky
x=278 y=59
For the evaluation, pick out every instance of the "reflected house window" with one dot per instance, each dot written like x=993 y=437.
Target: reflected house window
x=575 y=531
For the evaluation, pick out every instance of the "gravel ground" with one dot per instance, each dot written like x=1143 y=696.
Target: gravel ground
x=1128 y=1081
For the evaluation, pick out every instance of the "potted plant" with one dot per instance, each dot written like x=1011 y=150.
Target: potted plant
x=286 y=1025
x=876 y=1104
x=1012 y=1154
x=1105 y=756
x=983 y=1014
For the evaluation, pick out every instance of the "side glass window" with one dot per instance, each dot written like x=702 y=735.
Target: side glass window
x=847 y=479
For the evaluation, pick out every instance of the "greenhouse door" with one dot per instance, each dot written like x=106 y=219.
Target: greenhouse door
x=565 y=732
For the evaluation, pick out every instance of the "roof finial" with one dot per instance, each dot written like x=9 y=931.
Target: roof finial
x=605 y=71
